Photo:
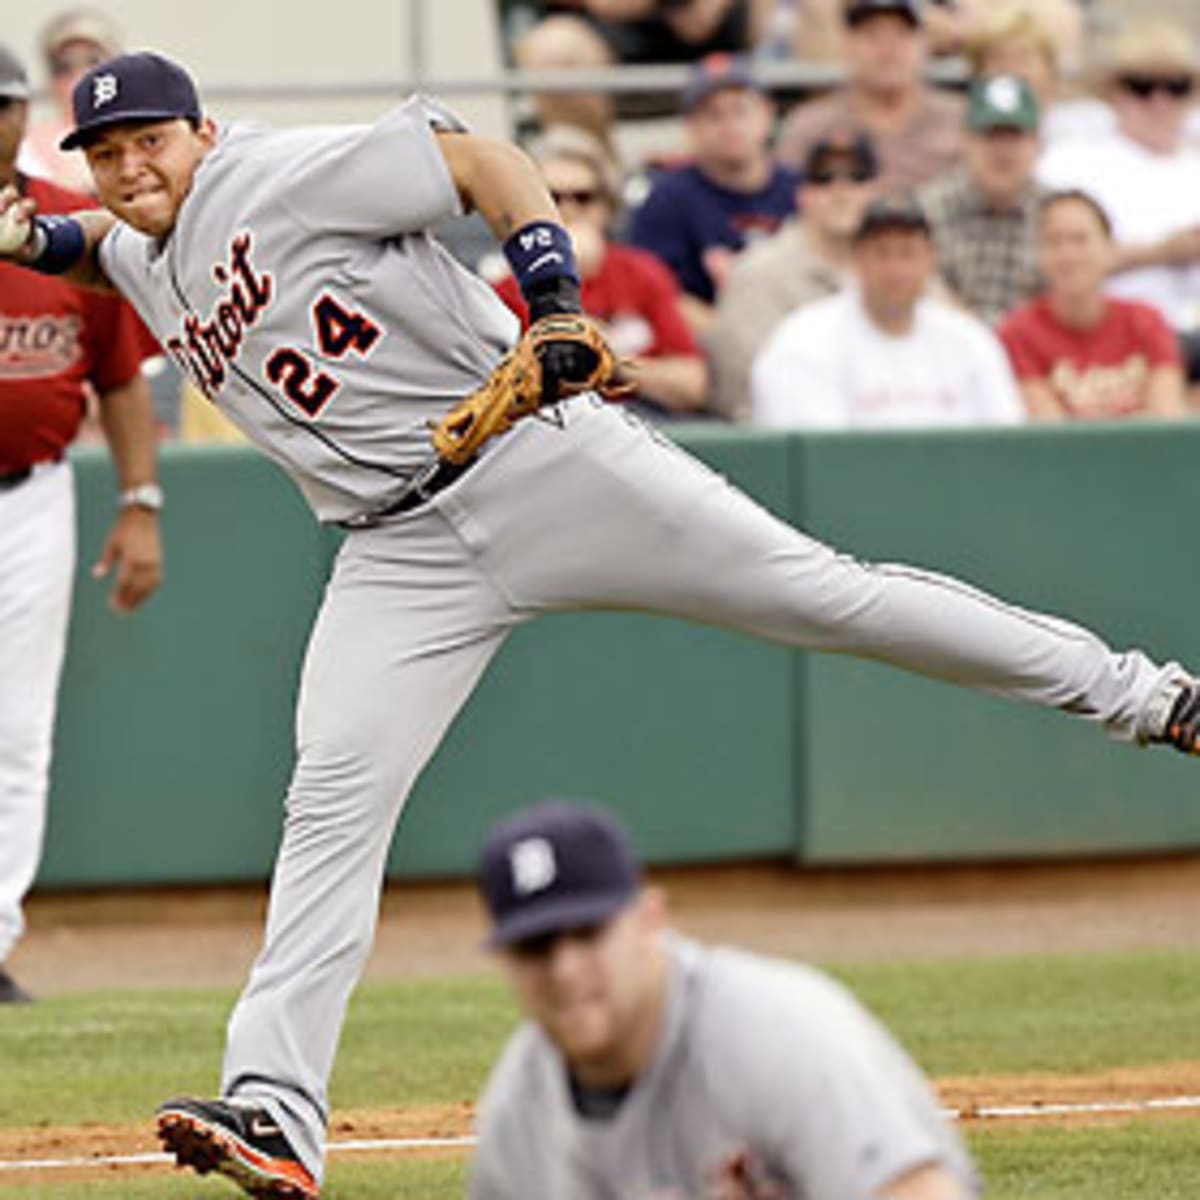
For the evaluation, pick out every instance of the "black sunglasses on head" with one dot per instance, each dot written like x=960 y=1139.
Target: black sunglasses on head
x=1179 y=87
x=828 y=175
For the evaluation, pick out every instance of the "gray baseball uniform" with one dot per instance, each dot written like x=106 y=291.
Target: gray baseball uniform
x=301 y=290
x=769 y=1080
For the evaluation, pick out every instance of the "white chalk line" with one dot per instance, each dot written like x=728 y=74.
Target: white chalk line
x=997 y=1112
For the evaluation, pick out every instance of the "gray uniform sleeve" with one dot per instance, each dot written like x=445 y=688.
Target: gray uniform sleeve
x=842 y=1108
x=377 y=180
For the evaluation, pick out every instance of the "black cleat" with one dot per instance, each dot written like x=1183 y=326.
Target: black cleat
x=238 y=1140
x=11 y=992
x=1183 y=725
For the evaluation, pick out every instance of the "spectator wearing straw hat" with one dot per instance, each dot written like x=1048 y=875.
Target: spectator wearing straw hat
x=1145 y=175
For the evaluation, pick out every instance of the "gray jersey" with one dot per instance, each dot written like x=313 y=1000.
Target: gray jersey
x=301 y=293
x=770 y=1081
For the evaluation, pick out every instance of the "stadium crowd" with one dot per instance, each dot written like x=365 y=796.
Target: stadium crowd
x=1020 y=243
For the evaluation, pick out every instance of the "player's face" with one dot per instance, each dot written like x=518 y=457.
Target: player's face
x=729 y=130
x=1076 y=253
x=13 y=116
x=143 y=171
x=894 y=267
x=598 y=992
x=885 y=53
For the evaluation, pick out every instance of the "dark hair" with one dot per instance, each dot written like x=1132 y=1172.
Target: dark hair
x=1077 y=196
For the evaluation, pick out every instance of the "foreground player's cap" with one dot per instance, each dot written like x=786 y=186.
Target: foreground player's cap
x=14 y=83
x=130 y=87
x=557 y=866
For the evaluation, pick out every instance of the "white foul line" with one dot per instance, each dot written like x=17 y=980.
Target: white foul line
x=984 y=1112
x=136 y=1160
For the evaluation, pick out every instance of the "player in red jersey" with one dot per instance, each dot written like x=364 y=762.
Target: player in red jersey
x=56 y=342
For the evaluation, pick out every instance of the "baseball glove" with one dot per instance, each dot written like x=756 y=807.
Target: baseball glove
x=558 y=356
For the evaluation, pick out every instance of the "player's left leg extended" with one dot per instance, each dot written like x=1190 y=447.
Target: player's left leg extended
x=634 y=522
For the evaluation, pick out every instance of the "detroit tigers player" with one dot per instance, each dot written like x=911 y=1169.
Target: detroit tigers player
x=292 y=275
x=651 y=1067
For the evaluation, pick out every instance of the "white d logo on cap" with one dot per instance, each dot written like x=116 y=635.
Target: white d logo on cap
x=533 y=865
x=104 y=90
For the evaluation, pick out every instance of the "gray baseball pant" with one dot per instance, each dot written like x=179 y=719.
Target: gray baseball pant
x=592 y=511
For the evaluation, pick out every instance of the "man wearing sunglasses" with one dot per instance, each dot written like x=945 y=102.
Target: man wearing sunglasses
x=807 y=260
x=655 y=1066
x=1146 y=176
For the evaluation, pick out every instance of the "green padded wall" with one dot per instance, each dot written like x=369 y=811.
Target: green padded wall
x=174 y=741
x=1073 y=521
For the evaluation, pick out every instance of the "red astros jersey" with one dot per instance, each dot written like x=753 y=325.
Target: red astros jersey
x=55 y=339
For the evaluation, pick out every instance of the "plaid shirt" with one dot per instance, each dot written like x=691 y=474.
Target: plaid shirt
x=987 y=258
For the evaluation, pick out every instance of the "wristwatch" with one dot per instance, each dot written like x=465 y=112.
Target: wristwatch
x=145 y=495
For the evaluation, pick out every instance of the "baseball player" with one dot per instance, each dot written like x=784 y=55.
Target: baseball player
x=56 y=342
x=292 y=275
x=653 y=1067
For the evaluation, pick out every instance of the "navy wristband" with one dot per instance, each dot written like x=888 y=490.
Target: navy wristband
x=61 y=244
x=540 y=253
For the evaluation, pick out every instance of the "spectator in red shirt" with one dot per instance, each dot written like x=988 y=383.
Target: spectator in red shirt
x=626 y=289
x=1078 y=353
x=55 y=343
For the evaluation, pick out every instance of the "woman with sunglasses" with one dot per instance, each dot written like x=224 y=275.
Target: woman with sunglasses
x=1144 y=173
x=628 y=290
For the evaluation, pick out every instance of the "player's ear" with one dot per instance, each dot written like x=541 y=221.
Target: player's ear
x=653 y=905
x=206 y=131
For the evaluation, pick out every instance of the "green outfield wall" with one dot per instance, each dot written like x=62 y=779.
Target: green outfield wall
x=174 y=736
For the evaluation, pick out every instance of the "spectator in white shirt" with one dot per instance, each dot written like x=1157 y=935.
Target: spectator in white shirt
x=883 y=355
x=1144 y=174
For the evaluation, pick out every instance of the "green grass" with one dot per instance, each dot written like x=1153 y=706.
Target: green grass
x=111 y=1057
x=1136 y=1160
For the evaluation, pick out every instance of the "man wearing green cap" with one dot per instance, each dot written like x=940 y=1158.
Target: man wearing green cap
x=983 y=213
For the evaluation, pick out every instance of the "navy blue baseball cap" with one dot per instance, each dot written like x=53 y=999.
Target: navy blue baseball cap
x=715 y=73
x=130 y=87
x=556 y=866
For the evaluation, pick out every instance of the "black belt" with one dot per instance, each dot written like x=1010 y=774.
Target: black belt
x=14 y=479
x=423 y=489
